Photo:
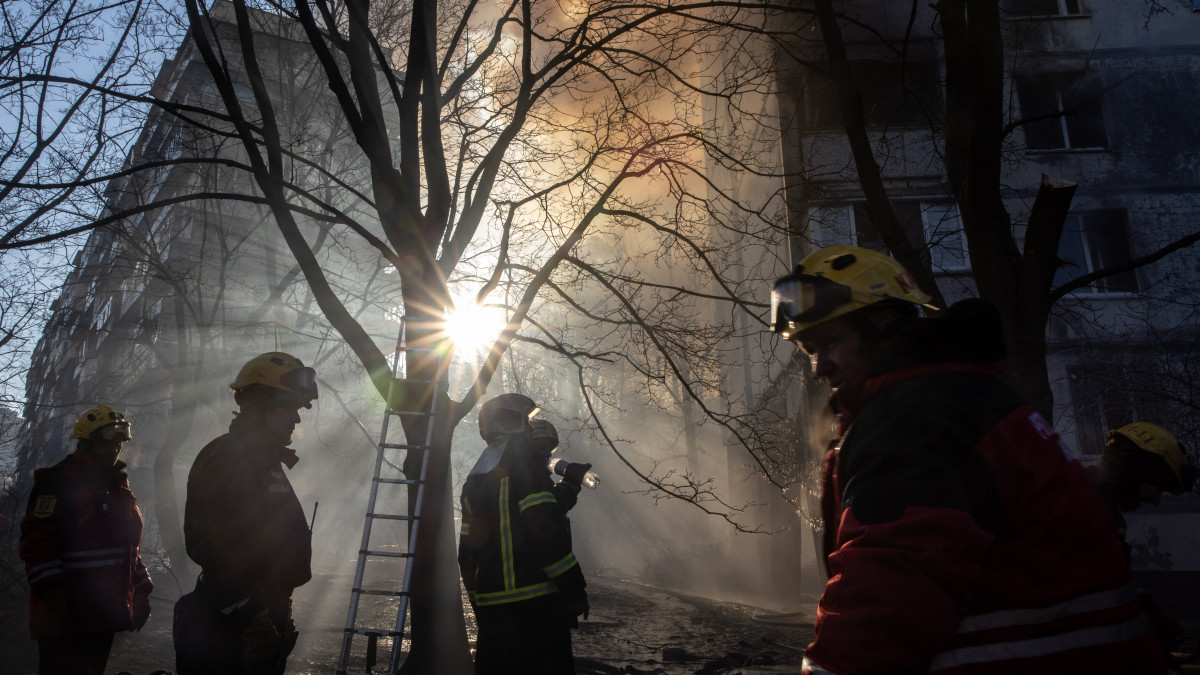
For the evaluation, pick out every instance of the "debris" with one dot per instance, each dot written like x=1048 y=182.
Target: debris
x=677 y=655
x=782 y=618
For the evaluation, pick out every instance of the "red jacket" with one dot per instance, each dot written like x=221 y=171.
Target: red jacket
x=963 y=537
x=82 y=532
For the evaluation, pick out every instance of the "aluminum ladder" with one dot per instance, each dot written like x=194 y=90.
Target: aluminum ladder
x=383 y=597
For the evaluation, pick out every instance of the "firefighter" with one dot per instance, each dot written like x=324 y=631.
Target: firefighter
x=1141 y=461
x=515 y=554
x=245 y=528
x=961 y=536
x=81 y=543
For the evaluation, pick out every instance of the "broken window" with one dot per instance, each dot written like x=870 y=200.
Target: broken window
x=1064 y=111
x=892 y=95
x=1044 y=7
x=1092 y=242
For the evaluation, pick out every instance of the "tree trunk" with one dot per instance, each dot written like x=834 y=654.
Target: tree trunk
x=439 y=629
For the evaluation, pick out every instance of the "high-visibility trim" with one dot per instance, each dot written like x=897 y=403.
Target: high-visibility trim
x=515 y=595
x=46 y=565
x=45 y=575
x=535 y=499
x=94 y=552
x=1053 y=644
x=1024 y=617
x=561 y=566
x=110 y=562
x=508 y=565
x=465 y=530
x=809 y=667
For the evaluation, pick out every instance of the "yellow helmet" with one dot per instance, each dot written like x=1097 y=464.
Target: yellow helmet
x=1158 y=441
x=101 y=422
x=278 y=371
x=837 y=280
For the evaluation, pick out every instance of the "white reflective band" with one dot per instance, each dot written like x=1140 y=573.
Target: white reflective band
x=96 y=563
x=810 y=668
x=44 y=575
x=93 y=552
x=1024 y=617
x=237 y=605
x=1053 y=644
x=38 y=568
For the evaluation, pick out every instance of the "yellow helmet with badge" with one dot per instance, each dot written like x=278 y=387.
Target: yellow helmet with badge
x=281 y=371
x=834 y=281
x=102 y=423
x=1158 y=441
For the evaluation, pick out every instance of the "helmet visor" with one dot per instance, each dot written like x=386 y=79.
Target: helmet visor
x=119 y=432
x=303 y=381
x=804 y=298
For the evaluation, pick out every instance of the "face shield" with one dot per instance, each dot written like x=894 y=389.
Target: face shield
x=303 y=381
x=804 y=298
x=119 y=433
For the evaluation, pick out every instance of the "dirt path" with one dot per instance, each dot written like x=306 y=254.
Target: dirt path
x=632 y=629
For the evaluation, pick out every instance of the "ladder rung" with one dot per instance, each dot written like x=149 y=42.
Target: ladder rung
x=373 y=591
x=390 y=516
x=386 y=554
x=403 y=446
x=381 y=633
x=410 y=413
x=396 y=481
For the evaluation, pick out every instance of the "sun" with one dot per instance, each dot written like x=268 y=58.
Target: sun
x=473 y=327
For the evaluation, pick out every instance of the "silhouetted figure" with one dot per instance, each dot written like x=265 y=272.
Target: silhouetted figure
x=515 y=553
x=246 y=529
x=81 y=542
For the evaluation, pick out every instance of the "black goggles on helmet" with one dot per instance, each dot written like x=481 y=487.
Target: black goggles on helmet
x=804 y=298
x=303 y=381
x=119 y=432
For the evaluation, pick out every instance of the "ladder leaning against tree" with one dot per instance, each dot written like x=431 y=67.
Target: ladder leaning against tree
x=380 y=562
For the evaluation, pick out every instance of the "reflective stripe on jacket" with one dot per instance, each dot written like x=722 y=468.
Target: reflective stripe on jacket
x=515 y=539
x=82 y=532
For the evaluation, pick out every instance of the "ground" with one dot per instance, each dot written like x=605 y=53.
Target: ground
x=631 y=629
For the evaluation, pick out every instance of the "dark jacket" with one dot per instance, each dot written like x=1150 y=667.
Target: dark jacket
x=244 y=525
x=961 y=535
x=515 y=541
x=82 y=533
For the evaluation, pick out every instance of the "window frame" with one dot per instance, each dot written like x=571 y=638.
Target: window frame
x=1094 y=290
x=1065 y=85
x=847 y=209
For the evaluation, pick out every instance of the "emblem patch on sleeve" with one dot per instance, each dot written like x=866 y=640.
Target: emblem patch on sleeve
x=43 y=507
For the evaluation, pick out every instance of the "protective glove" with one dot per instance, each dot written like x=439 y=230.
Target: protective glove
x=579 y=607
x=49 y=619
x=261 y=644
x=141 y=610
x=575 y=473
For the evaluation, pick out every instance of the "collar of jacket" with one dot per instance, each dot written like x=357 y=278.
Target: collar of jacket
x=854 y=395
x=79 y=463
x=263 y=445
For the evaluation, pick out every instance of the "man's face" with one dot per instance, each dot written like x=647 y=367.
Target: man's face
x=835 y=348
x=280 y=419
x=104 y=452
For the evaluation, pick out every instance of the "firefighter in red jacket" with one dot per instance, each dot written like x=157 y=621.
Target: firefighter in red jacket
x=961 y=536
x=246 y=529
x=515 y=551
x=81 y=542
